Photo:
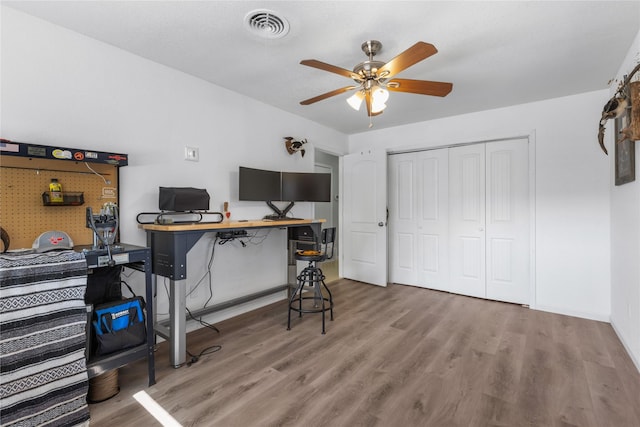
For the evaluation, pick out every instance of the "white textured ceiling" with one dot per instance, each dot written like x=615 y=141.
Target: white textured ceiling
x=496 y=54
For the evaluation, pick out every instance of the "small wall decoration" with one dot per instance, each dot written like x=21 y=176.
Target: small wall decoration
x=294 y=146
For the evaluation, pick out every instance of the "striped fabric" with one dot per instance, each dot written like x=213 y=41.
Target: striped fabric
x=43 y=376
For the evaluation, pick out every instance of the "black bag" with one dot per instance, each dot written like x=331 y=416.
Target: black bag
x=103 y=285
x=119 y=325
x=183 y=199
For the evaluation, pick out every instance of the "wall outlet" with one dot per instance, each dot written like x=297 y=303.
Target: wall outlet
x=191 y=154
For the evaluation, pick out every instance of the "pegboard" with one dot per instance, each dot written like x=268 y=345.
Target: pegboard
x=22 y=211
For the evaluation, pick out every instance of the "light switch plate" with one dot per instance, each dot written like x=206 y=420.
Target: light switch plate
x=191 y=154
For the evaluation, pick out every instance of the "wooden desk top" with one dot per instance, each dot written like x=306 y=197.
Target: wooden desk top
x=225 y=225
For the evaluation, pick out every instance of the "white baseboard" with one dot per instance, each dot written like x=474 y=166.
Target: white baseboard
x=591 y=316
x=633 y=357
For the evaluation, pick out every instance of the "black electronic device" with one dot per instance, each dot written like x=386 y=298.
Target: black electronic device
x=306 y=187
x=258 y=185
x=183 y=199
x=232 y=234
x=272 y=186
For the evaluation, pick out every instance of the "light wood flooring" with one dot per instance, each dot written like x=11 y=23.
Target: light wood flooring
x=396 y=356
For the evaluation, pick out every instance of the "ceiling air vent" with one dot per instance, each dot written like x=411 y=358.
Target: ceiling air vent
x=266 y=24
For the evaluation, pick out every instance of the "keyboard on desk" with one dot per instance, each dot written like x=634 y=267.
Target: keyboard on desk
x=286 y=218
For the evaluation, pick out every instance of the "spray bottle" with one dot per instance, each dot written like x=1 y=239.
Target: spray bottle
x=55 y=191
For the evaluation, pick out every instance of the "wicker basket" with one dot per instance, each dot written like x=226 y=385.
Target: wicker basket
x=103 y=387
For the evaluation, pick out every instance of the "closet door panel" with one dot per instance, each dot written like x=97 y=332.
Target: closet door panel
x=508 y=221
x=467 y=253
x=433 y=221
x=402 y=219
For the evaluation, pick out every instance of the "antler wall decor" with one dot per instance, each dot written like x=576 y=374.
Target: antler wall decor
x=623 y=99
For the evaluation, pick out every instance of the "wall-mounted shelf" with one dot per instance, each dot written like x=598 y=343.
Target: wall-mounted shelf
x=26 y=170
x=35 y=151
x=68 y=199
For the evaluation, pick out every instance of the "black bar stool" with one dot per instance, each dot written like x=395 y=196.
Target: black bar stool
x=312 y=276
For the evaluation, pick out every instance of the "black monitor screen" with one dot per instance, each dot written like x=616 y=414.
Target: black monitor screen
x=306 y=187
x=258 y=185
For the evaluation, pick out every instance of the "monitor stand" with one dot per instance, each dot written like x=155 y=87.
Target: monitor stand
x=280 y=214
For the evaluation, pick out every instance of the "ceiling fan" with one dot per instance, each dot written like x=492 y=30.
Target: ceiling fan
x=375 y=78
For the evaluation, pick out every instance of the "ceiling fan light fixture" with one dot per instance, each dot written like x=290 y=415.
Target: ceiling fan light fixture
x=355 y=100
x=379 y=97
x=377 y=108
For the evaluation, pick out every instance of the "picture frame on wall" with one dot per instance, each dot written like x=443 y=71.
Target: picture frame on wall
x=625 y=154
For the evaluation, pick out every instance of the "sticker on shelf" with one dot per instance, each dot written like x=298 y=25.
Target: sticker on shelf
x=109 y=193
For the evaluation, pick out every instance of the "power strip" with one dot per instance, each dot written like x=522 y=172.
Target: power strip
x=232 y=234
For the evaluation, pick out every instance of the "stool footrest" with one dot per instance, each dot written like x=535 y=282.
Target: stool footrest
x=311 y=310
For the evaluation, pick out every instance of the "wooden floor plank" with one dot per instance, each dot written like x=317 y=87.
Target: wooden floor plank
x=399 y=355
x=622 y=363
x=611 y=404
x=503 y=379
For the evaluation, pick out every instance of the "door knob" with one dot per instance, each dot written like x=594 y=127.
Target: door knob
x=381 y=224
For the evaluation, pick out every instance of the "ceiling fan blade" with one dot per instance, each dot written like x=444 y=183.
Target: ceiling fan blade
x=406 y=59
x=327 y=95
x=331 y=68
x=422 y=87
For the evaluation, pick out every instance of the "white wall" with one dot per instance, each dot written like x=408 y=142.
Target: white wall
x=61 y=88
x=572 y=266
x=625 y=239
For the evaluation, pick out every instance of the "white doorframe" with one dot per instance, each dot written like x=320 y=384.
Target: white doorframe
x=326 y=169
x=532 y=219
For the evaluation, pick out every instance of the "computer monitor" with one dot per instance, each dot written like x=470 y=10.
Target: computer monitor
x=271 y=186
x=306 y=187
x=259 y=185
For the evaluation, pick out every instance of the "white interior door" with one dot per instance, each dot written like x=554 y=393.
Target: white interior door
x=364 y=225
x=507 y=222
x=467 y=220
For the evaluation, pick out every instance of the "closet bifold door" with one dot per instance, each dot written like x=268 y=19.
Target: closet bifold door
x=459 y=220
x=467 y=254
x=507 y=221
x=402 y=219
x=489 y=220
x=433 y=219
x=418 y=219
